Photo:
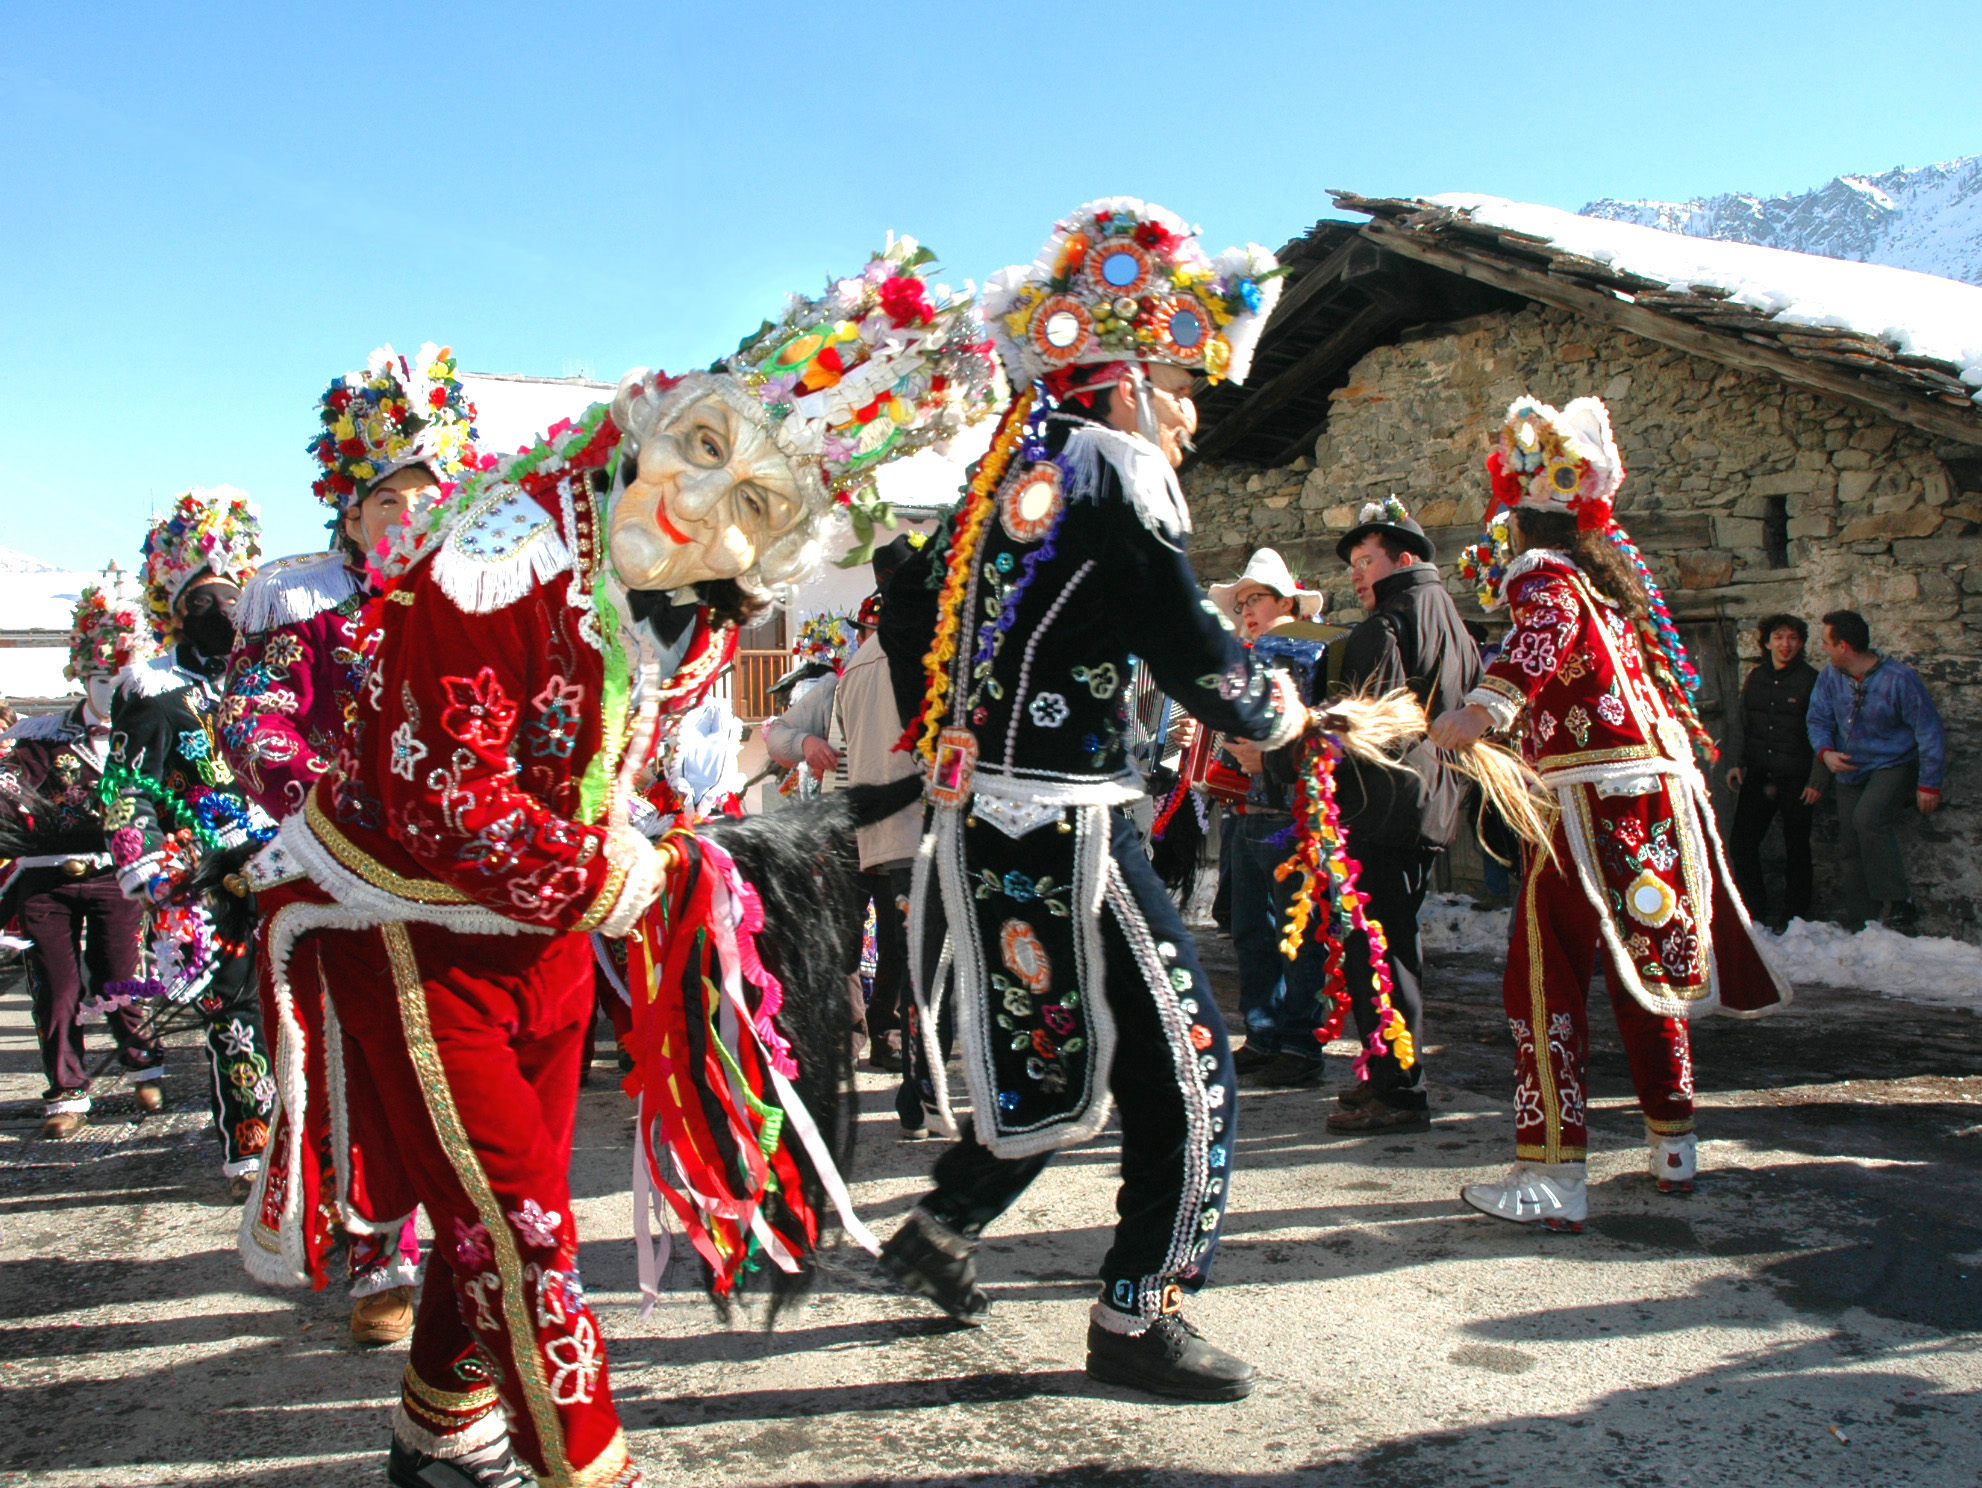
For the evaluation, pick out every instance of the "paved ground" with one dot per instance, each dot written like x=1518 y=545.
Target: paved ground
x=1811 y=1315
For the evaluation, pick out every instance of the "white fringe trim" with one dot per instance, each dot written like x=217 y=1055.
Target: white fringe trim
x=482 y=570
x=72 y=1105
x=287 y=1265
x=294 y=590
x=374 y=907
x=154 y=678
x=485 y=1432
x=399 y=1273
x=1149 y=485
x=42 y=726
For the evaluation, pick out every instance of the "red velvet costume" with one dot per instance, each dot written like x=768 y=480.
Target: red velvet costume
x=1638 y=867
x=454 y=864
x=292 y=692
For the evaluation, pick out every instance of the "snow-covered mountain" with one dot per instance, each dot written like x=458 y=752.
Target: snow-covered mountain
x=1929 y=218
x=15 y=562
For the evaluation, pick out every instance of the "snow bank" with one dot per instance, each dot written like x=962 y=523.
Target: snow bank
x=1453 y=924
x=1929 y=969
x=1915 y=314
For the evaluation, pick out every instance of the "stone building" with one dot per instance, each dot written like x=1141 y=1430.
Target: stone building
x=1774 y=464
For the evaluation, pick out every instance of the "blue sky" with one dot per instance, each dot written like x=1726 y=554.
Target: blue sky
x=211 y=210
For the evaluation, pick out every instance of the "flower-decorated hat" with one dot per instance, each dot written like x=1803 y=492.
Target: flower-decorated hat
x=829 y=638
x=105 y=635
x=1123 y=280
x=1393 y=519
x=1557 y=460
x=875 y=368
x=396 y=413
x=210 y=530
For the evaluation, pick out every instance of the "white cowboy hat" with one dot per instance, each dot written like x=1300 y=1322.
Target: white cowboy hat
x=1266 y=569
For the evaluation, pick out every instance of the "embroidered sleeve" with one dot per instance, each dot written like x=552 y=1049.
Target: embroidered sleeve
x=273 y=682
x=1545 y=611
x=466 y=709
x=132 y=787
x=1196 y=657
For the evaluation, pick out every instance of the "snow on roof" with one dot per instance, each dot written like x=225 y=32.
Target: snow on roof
x=1915 y=314
x=512 y=412
x=28 y=672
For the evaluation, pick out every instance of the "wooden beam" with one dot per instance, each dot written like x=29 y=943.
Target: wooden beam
x=1322 y=359
x=1607 y=309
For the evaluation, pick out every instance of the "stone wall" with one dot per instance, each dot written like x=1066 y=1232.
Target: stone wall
x=1747 y=495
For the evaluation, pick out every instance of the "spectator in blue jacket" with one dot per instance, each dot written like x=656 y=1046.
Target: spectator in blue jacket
x=1877 y=731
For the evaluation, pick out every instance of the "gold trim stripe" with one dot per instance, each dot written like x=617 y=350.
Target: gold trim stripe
x=446 y=1400
x=1538 y=1011
x=438 y=1094
x=373 y=872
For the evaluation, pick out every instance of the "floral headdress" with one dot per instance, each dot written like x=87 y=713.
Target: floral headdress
x=875 y=368
x=828 y=638
x=1484 y=564
x=394 y=414
x=1122 y=280
x=1557 y=460
x=104 y=635
x=210 y=530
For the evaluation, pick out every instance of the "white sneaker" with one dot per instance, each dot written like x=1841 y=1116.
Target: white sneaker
x=1674 y=1161
x=1553 y=1194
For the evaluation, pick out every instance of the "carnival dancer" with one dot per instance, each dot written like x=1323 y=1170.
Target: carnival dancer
x=1077 y=987
x=86 y=934
x=389 y=433
x=1595 y=681
x=172 y=804
x=533 y=627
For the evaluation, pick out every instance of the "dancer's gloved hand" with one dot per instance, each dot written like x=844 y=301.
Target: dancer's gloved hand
x=1460 y=728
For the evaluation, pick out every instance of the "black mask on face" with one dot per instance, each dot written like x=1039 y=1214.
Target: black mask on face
x=209 y=619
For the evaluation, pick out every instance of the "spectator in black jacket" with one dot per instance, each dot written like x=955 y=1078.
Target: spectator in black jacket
x=1399 y=820
x=1776 y=771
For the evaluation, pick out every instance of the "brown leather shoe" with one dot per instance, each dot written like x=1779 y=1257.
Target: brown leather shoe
x=62 y=1124
x=1355 y=1097
x=383 y=1317
x=150 y=1097
x=1374 y=1118
x=239 y=1187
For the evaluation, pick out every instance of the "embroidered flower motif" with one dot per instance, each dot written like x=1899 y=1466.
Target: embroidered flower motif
x=479 y=712
x=1024 y=956
x=1661 y=854
x=237 y=1038
x=1018 y=886
x=555 y=730
x=498 y=845
x=537 y=1225
x=549 y=889
x=194 y=744
x=1610 y=708
x=1527 y=1104
x=1101 y=680
x=471 y=1245
x=282 y=650
x=250 y=1136
x=1544 y=726
x=1578 y=722
x=407 y=751
x=1049 y=710
x=1533 y=653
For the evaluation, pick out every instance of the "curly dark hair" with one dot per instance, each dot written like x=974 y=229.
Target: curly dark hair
x=1770 y=624
x=1594 y=553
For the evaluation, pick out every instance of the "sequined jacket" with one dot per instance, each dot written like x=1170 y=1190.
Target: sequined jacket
x=1572 y=670
x=293 y=681
x=477 y=787
x=170 y=796
x=1055 y=609
x=50 y=768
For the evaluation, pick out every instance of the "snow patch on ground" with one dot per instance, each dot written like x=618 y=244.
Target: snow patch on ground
x=1920 y=968
x=1454 y=924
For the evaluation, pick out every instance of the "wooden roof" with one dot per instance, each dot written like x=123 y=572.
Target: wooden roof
x=1359 y=286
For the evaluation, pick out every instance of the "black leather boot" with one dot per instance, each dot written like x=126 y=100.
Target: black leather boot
x=932 y=1260
x=1169 y=1357
x=493 y=1466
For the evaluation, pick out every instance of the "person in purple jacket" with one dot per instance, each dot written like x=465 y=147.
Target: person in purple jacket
x=1877 y=731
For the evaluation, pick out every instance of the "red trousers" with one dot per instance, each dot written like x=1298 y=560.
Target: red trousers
x=1551 y=952
x=353 y=1147
x=472 y=1043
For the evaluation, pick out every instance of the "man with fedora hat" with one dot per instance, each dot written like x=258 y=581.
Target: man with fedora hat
x=1280 y=999
x=1398 y=821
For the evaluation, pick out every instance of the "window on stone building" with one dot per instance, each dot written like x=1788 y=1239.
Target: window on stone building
x=1775 y=530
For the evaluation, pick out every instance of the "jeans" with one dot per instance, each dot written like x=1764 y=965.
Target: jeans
x=1868 y=825
x=1280 y=999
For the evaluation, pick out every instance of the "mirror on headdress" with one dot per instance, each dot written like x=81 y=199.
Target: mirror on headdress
x=1186 y=329
x=1120 y=269
x=1063 y=328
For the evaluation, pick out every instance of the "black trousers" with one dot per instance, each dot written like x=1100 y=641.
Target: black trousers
x=1395 y=880
x=974 y=1187
x=890 y=890
x=85 y=934
x=1761 y=798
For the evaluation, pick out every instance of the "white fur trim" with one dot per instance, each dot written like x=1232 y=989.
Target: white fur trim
x=485 y=1431
x=42 y=726
x=1108 y=1320
x=293 y=590
x=154 y=678
x=1499 y=707
x=499 y=550
x=247 y=1167
x=374 y=906
x=1149 y=485
x=69 y=1105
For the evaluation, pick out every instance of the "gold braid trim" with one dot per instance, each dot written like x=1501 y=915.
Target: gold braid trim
x=373 y=872
x=437 y=1093
x=447 y=1400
